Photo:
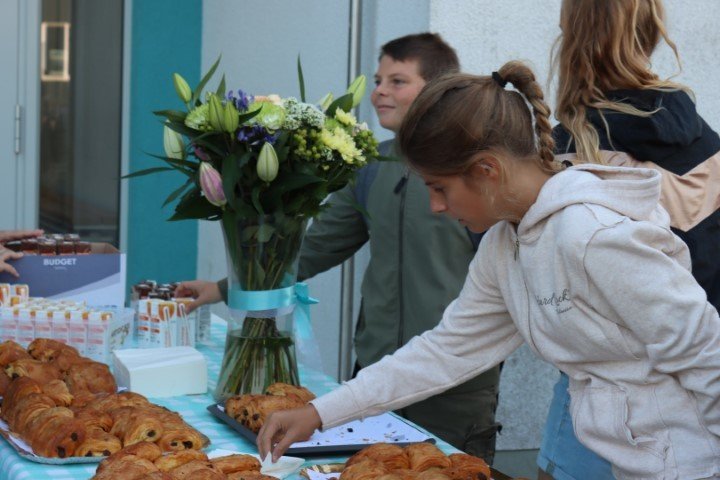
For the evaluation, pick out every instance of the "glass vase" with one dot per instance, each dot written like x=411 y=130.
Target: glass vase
x=262 y=256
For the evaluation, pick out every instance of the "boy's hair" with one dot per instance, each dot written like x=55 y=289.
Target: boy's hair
x=604 y=46
x=457 y=116
x=434 y=56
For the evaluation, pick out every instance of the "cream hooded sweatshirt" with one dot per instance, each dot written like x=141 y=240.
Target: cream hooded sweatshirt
x=594 y=281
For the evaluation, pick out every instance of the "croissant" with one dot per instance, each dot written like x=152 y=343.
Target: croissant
x=18 y=388
x=94 y=419
x=133 y=425
x=35 y=369
x=4 y=382
x=157 y=476
x=45 y=349
x=58 y=391
x=176 y=459
x=98 y=443
x=55 y=433
x=177 y=438
x=434 y=475
x=365 y=469
x=402 y=474
x=24 y=411
x=284 y=389
x=93 y=377
x=197 y=470
x=237 y=463
x=259 y=408
x=391 y=456
x=426 y=455
x=130 y=467
x=464 y=466
x=11 y=351
x=235 y=406
x=66 y=358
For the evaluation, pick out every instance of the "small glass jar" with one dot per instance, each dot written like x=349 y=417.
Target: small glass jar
x=82 y=248
x=47 y=246
x=15 y=246
x=66 y=247
x=142 y=290
x=30 y=246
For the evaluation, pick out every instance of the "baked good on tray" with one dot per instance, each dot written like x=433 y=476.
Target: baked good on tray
x=63 y=405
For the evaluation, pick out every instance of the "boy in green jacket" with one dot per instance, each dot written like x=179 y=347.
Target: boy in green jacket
x=418 y=260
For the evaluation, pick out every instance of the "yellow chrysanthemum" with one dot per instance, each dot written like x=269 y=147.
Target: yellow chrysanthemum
x=346 y=118
x=340 y=141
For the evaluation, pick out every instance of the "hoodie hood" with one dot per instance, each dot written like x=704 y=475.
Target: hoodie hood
x=631 y=192
x=673 y=135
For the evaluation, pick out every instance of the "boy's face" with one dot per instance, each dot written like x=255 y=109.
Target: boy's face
x=396 y=86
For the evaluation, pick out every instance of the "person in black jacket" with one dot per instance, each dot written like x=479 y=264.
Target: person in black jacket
x=613 y=109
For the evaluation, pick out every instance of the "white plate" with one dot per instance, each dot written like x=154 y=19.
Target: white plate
x=282 y=468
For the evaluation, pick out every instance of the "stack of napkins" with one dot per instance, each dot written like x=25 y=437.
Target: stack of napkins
x=161 y=372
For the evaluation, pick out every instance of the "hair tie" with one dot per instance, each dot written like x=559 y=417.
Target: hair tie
x=567 y=163
x=499 y=79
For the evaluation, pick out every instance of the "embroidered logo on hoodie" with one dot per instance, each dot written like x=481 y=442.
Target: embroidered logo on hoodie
x=561 y=301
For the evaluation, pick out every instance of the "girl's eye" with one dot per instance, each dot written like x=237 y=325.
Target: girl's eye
x=397 y=81
x=377 y=82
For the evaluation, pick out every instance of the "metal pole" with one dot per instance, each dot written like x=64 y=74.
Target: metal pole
x=345 y=364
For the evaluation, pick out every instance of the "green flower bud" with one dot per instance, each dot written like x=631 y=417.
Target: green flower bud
x=267 y=164
x=325 y=101
x=357 y=88
x=173 y=143
x=182 y=88
x=216 y=114
x=230 y=117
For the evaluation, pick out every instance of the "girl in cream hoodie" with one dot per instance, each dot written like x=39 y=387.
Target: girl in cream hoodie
x=581 y=265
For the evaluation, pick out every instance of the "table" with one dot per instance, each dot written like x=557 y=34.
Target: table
x=193 y=410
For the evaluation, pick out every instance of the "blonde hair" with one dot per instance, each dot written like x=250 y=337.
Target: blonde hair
x=459 y=115
x=605 y=45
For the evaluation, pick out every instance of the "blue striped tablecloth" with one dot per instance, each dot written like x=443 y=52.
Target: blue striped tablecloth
x=193 y=410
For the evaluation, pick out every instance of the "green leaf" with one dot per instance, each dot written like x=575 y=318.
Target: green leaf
x=220 y=92
x=183 y=166
x=175 y=194
x=265 y=232
x=345 y=103
x=147 y=171
x=193 y=205
x=172 y=115
x=255 y=196
x=248 y=116
x=301 y=80
x=230 y=177
x=204 y=81
x=248 y=233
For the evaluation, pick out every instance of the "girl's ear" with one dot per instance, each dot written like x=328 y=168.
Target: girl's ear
x=486 y=167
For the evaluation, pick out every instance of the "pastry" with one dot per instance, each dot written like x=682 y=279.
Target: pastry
x=391 y=456
x=180 y=437
x=284 y=389
x=18 y=388
x=433 y=475
x=11 y=351
x=464 y=466
x=4 y=382
x=237 y=463
x=133 y=425
x=173 y=460
x=66 y=358
x=106 y=403
x=236 y=406
x=197 y=470
x=94 y=419
x=130 y=467
x=46 y=350
x=365 y=469
x=93 y=377
x=58 y=391
x=156 y=476
x=250 y=476
x=35 y=369
x=425 y=455
x=25 y=410
x=145 y=450
x=260 y=407
x=55 y=433
x=98 y=443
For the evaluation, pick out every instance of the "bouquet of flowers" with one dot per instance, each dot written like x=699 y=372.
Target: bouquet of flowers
x=263 y=165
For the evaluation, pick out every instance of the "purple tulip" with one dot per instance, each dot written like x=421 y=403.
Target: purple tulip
x=211 y=185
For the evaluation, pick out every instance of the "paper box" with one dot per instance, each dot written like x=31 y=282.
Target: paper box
x=161 y=372
x=97 y=278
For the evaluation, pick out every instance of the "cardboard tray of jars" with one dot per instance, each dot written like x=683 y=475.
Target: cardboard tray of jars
x=348 y=438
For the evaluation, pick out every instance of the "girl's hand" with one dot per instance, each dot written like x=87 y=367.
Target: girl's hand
x=9 y=235
x=202 y=291
x=282 y=429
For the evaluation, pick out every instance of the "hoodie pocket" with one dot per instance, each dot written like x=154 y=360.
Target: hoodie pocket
x=600 y=419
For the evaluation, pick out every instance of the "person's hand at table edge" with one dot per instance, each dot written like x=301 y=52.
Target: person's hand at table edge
x=282 y=429
x=6 y=255
x=202 y=291
x=9 y=235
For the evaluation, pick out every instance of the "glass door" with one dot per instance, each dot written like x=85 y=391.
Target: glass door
x=80 y=117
